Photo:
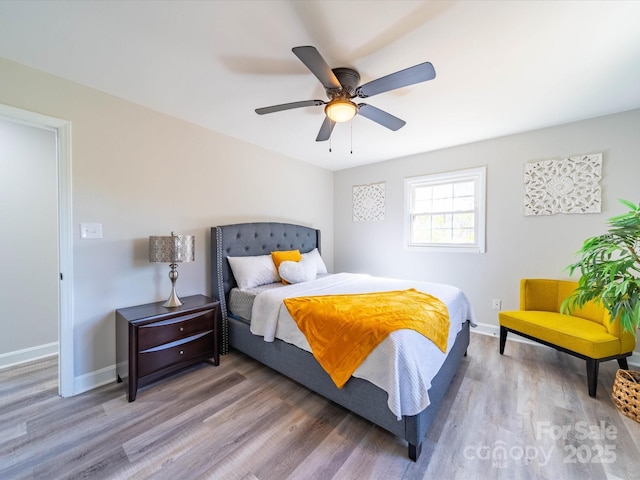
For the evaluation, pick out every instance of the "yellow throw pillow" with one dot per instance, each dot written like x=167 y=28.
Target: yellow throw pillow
x=285 y=256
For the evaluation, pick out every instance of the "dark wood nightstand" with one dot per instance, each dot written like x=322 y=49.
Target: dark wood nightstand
x=153 y=341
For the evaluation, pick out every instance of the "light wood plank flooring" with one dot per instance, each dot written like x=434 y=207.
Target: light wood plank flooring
x=525 y=415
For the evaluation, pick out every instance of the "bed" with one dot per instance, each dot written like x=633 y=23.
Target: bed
x=359 y=395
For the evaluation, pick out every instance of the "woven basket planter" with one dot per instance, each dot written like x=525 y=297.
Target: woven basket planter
x=626 y=393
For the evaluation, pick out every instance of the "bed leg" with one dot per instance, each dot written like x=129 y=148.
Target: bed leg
x=414 y=451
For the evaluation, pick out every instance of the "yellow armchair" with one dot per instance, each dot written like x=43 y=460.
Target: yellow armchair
x=587 y=333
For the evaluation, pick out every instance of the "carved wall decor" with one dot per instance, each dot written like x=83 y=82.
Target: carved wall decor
x=368 y=202
x=571 y=185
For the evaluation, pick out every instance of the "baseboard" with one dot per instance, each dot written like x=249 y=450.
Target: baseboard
x=494 y=331
x=30 y=354
x=95 y=379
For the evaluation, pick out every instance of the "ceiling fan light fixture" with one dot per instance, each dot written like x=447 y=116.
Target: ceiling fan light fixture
x=341 y=110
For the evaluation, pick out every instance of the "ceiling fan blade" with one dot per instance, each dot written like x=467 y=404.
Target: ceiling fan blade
x=314 y=62
x=288 y=106
x=380 y=116
x=408 y=76
x=325 y=130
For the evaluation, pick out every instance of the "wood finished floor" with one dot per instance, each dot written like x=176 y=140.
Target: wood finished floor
x=503 y=418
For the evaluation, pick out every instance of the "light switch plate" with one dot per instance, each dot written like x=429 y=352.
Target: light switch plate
x=90 y=230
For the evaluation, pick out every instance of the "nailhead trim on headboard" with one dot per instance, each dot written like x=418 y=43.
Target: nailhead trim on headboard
x=223 y=301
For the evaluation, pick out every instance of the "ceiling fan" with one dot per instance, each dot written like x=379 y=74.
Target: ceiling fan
x=341 y=85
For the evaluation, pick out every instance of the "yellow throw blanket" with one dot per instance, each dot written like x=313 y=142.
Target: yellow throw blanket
x=343 y=329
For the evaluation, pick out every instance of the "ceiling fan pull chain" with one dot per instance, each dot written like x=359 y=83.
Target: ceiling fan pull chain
x=329 y=144
x=351 y=126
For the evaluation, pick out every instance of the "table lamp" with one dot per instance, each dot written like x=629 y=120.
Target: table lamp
x=172 y=249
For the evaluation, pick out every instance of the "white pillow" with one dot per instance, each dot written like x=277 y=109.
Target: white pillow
x=297 y=272
x=253 y=271
x=314 y=254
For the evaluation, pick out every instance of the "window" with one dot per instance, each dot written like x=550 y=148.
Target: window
x=445 y=211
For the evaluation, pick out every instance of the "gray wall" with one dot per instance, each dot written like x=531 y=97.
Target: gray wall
x=28 y=216
x=517 y=246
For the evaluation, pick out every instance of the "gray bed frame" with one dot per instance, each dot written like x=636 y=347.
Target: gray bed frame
x=359 y=396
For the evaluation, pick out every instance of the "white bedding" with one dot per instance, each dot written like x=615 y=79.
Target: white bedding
x=402 y=365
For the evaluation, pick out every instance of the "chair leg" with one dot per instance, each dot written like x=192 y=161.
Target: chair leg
x=592 y=376
x=503 y=338
x=622 y=363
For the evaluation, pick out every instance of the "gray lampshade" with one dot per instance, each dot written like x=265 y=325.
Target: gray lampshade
x=172 y=249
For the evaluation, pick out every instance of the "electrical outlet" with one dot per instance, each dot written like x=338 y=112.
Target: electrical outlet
x=496 y=304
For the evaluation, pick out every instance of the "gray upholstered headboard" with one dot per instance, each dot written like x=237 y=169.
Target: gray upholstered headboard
x=246 y=239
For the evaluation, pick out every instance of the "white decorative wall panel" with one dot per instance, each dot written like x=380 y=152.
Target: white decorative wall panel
x=368 y=202
x=571 y=185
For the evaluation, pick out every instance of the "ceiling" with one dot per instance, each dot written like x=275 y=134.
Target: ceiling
x=501 y=67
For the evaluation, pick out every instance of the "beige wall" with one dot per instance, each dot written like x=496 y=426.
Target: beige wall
x=517 y=246
x=141 y=173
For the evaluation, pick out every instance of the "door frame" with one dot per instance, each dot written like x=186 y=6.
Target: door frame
x=66 y=377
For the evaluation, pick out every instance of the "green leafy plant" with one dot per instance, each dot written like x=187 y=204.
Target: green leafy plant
x=609 y=268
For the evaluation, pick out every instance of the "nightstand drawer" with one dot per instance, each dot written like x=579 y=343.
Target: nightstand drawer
x=159 y=333
x=156 y=358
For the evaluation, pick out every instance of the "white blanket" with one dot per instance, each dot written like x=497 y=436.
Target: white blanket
x=403 y=365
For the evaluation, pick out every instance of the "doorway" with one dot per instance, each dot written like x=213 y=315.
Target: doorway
x=51 y=134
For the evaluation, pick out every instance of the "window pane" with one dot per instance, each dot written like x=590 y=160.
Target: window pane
x=421 y=200
x=463 y=220
x=443 y=205
x=441 y=221
x=441 y=235
x=463 y=189
x=463 y=203
x=463 y=235
x=421 y=231
x=422 y=206
x=443 y=191
x=423 y=193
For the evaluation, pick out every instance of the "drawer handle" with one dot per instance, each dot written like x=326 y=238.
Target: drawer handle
x=181 y=329
x=181 y=352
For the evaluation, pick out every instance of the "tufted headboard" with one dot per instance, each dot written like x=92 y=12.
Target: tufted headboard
x=248 y=239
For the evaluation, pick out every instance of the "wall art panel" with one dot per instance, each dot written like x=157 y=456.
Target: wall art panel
x=571 y=185
x=368 y=202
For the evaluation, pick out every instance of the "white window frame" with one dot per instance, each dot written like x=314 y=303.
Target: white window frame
x=479 y=177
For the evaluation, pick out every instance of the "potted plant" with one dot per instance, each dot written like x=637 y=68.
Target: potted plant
x=610 y=270
x=609 y=267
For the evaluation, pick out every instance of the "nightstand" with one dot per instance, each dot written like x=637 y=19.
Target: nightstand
x=153 y=341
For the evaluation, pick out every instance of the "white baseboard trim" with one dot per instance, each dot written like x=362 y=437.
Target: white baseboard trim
x=494 y=331
x=95 y=379
x=81 y=384
x=12 y=359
